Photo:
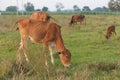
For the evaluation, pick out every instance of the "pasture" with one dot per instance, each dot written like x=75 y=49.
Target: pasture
x=93 y=57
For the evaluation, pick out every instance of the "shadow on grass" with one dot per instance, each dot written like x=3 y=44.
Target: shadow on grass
x=104 y=66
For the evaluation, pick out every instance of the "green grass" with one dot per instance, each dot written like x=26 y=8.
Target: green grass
x=93 y=57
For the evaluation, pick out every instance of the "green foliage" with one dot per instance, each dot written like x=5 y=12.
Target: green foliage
x=11 y=8
x=86 y=8
x=29 y=7
x=76 y=8
x=93 y=57
x=59 y=6
x=114 y=5
x=99 y=9
x=45 y=9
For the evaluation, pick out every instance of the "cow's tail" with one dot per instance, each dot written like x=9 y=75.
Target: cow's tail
x=53 y=18
x=14 y=28
x=85 y=21
x=71 y=21
x=115 y=33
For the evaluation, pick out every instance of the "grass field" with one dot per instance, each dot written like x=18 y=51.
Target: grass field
x=93 y=57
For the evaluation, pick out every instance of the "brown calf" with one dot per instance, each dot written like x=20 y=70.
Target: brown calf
x=48 y=33
x=110 y=31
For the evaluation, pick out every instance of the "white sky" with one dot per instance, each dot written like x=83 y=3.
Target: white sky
x=68 y=4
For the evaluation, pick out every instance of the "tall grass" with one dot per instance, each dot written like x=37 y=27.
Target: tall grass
x=93 y=57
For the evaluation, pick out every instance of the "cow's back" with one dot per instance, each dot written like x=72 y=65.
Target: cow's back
x=39 y=15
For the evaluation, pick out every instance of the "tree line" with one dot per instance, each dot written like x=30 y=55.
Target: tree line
x=113 y=5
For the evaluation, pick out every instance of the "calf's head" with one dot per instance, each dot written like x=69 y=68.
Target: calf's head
x=65 y=57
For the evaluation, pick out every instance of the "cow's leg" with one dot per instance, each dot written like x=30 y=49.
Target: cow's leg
x=44 y=52
x=47 y=42
x=51 y=54
x=80 y=22
x=23 y=46
x=51 y=49
x=109 y=35
x=113 y=34
x=75 y=22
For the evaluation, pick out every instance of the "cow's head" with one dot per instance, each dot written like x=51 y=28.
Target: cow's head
x=107 y=36
x=65 y=57
x=48 y=18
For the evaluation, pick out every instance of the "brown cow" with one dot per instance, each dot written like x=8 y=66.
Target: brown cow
x=110 y=31
x=77 y=18
x=48 y=33
x=41 y=16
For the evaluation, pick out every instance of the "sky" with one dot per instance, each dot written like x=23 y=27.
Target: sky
x=68 y=4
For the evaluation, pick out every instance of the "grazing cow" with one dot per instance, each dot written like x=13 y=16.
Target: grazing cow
x=77 y=18
x=41 y=16
x=110 y=31
x=48 y=33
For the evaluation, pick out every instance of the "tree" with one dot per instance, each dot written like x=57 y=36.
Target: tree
x=86 y=8
x=11 y=8
x=114 y=5
x=101 y=9
x=45 y=9
x=29 y=6
x=76 y=8
x=59 y=6
x=105 y=8
x=97 y=9
x=38 y=10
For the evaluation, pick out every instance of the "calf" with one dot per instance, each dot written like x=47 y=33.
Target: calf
x=110 y=31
